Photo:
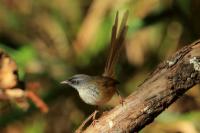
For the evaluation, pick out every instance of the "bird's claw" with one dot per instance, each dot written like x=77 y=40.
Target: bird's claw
x=94 y=122
x=122 y=101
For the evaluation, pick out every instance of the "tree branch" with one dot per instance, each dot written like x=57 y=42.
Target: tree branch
x=166 y=84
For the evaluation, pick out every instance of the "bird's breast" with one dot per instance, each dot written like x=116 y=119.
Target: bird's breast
x=90 y=94
x=94 y=95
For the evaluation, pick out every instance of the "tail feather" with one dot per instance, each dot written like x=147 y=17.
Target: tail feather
x=117 y=41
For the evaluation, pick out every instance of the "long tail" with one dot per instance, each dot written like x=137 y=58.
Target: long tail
x=117 y=41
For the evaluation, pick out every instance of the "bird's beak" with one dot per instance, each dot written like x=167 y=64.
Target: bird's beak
x=65 y=82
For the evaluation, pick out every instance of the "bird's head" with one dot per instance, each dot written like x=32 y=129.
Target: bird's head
x=77 y=81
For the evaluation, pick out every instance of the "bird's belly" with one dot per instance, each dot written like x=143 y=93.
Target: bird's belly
x=93 y=96
x=90 y=95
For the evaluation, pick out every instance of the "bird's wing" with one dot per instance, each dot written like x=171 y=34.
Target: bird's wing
x=117 y=41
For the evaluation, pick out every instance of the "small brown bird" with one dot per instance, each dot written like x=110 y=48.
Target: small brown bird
x=97 y=90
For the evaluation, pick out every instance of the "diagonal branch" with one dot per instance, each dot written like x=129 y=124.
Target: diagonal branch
x=166 y=84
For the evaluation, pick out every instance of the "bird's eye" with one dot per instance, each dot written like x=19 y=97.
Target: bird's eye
x=73 y=81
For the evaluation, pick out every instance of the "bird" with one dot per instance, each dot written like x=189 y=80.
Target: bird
x=98 y=90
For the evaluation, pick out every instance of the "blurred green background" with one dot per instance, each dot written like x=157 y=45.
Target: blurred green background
x=53 y=39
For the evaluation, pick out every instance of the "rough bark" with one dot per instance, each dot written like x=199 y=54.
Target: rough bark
x=166 y=84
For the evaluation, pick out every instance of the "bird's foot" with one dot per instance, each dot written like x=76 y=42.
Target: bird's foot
x=94 y=121
x=90 y=117
x=121 y=100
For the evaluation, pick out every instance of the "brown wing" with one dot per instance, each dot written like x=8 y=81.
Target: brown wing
x=117 y=41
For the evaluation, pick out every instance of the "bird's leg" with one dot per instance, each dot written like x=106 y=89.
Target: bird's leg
x=121 y=100
x=94 y=121
x=92 y=116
